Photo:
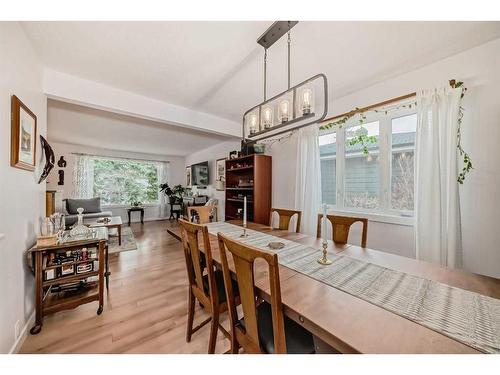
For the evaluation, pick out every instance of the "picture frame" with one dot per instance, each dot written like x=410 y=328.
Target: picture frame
x=188 y=176
x=23 y=136
x=220 y=173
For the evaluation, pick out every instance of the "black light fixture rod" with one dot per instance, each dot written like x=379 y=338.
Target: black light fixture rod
x=265 y=73
x=288 y=43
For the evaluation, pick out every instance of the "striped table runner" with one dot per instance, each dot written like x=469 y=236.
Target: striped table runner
x=468 y=317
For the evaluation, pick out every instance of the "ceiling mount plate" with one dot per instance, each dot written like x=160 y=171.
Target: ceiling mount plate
x=275 y=31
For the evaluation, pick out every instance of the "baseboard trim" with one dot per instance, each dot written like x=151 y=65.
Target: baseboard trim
x=22 y=336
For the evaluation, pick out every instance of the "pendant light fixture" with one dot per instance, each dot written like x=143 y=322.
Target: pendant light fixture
x=291 y=109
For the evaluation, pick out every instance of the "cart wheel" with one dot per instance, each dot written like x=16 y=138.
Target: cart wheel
x=99 y=310
x=36 y=329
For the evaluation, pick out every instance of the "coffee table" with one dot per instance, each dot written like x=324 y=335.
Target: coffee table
x=114 y=222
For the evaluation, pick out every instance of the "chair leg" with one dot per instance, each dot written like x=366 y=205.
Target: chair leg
x=191 y=301
x=214 y=328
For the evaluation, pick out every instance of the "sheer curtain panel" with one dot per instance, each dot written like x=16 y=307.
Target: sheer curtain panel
x=308 y=178
x=83 y=177
x=437 y=208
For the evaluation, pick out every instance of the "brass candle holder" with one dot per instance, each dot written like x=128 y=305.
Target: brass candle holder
x=324 y=260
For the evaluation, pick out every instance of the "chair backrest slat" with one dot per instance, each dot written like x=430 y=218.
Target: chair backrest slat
x=341 y=226
x=204 y=213
x=190 y=241
x=285 y=216
x=243 y=257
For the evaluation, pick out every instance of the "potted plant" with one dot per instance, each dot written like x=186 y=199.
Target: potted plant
x=174 y=194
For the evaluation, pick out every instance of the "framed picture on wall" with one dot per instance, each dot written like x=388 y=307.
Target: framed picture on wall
x=220 y=173
x=23 y=136
x=188 y=176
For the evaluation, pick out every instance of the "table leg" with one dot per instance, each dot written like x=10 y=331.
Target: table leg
x=119 y=235
x=38 y=294
x=128 y=217
x=101 y=277
x=107 y=266
x=142 y=216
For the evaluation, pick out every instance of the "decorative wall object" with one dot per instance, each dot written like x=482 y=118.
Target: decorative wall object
x=220 y=173
x=61 y=162
x=188 y=176
x=49 y=159
x=23 y=136
x=61 y=177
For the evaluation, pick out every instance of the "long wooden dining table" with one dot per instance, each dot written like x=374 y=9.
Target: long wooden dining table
x=344 y=323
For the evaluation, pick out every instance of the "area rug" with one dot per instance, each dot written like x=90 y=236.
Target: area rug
x=128 y=241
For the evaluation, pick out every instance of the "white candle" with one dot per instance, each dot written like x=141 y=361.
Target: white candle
x=245 y=211
x=324 y=223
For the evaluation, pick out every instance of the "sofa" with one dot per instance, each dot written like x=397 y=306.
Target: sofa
x=91 y=209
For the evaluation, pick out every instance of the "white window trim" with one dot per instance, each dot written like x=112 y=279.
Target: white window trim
x=385 y=213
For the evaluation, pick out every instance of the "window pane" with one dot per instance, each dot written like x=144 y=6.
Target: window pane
x=362 y=172
x=403 y=146
x=125 y=182
x=328 y=151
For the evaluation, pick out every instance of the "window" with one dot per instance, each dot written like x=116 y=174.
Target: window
x=403 y=145
x=328 y=150
x=383 y=180
x=362 y=173
x=121 y=181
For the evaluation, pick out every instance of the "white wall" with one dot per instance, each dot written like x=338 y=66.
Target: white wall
x=22 y=200
x=211 y=154
x=151 y=212
x=479 y=69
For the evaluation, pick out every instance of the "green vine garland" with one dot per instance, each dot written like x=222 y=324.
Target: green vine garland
x=365 y=140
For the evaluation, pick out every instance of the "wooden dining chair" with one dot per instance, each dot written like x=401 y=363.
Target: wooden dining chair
x=285 y=216
x=263 y=328
x=207 y=287
x=204 y=214
x=341 y=226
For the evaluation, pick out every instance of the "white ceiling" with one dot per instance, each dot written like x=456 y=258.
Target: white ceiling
x=74 y=124
x=216 y=67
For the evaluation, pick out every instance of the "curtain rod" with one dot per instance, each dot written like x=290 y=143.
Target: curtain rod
x=119 y=157
x=372 y=106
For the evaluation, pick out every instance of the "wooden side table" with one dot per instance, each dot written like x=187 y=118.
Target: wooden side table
x=132 y=209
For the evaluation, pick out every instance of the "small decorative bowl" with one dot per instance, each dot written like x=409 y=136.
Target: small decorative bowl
x=276 y=245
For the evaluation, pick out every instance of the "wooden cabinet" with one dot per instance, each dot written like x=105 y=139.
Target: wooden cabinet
x=251 y=177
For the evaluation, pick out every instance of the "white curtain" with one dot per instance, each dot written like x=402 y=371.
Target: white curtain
x=83 y=177
x=308 y=178
x=437 y=208
x=163 y=176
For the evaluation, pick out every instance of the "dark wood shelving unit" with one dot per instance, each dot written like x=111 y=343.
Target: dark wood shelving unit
x=249 y=176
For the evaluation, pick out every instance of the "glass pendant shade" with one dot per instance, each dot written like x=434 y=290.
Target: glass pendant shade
x=284 y=111
x=306 y=101
x=252 y=127
x=267 y=117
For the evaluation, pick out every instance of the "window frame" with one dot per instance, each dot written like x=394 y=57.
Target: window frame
x=385 y=212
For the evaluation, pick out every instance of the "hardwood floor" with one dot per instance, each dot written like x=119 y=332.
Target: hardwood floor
x=145 y=310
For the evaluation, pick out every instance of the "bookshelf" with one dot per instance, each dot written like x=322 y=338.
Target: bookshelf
x=249 y=176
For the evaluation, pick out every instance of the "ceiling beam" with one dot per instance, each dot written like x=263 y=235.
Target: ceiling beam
x=72 y=89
